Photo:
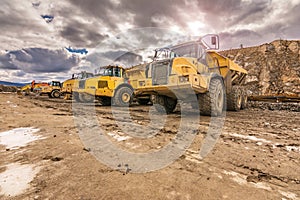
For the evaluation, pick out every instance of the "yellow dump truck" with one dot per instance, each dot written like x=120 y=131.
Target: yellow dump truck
x=110 y=85
x=67 y=86
x=52 y=90
x=214 y=78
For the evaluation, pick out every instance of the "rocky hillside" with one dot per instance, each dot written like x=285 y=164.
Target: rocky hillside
x=273 y=68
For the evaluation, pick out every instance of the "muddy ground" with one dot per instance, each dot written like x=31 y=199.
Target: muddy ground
x=256 y=157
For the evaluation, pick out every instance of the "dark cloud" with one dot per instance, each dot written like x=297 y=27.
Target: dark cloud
x=38 y=60
x=218 y=14
x=81 y=34
x=12 y=20
x=223 y=14
x=6 y=62
x=97 y=9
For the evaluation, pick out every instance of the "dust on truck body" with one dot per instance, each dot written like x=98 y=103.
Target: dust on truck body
x=214 y=78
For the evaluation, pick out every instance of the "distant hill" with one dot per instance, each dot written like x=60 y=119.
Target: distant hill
x=12 y=84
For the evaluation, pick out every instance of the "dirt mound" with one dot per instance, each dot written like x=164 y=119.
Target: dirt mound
x=273 y=68
x=4 y=88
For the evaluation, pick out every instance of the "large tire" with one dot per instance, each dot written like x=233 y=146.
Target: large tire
x=234 y=99
x=55 y=94
x=123 y=96
x=75 y=95
x=212 y=103
x=143 y=101
x=244 y=99
x=105 y=101
x=164 y=104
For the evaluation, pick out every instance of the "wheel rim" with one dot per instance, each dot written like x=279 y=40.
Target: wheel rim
x=125 y=97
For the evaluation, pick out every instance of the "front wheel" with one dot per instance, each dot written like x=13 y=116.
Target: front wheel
x=55 y=94
x=123 y=97
x=212 y=102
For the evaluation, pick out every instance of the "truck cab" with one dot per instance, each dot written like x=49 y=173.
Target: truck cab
x=52 y=90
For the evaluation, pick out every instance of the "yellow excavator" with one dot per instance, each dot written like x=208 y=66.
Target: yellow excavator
x=32 y=87
x=213 y=78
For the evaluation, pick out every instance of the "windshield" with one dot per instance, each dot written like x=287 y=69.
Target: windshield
x=165 y=53
x=186 y=51
x=75 y=76
x=111 y=71
x=105 y=71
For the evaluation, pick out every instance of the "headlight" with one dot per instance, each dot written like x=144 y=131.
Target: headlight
x=183 y=79
x=142 y=83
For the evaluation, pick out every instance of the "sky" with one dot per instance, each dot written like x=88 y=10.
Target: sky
x=35 y=34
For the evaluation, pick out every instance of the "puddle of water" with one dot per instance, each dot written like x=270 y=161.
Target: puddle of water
x=16 y=178
x=252 y=138
x=292 y=148
x=260 y=141
x=19 y=137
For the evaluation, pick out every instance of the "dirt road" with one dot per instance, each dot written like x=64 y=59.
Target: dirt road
x=256 y=157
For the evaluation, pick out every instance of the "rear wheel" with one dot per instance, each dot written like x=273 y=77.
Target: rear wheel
x=244 y=100
x=123 y=97
x=212 y=102
x=164 y=104
x=234 y=99
x=55 y=94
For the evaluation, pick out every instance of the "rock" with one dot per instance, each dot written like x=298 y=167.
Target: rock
x=273 y=68
x=294 y=47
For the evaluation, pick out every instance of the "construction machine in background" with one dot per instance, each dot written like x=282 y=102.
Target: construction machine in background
x=67 y=86
x=53 y=90
x=32 y=87
x=110 y=86
x=213 y=78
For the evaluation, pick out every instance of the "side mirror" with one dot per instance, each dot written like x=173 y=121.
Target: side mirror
x=214 y=40
x=210 y=41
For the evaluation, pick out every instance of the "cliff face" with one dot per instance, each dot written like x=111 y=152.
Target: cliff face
x=273 y=68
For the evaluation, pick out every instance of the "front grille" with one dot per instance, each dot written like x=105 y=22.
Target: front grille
x=160 y=73
x=81 y=84
x=102 y=84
